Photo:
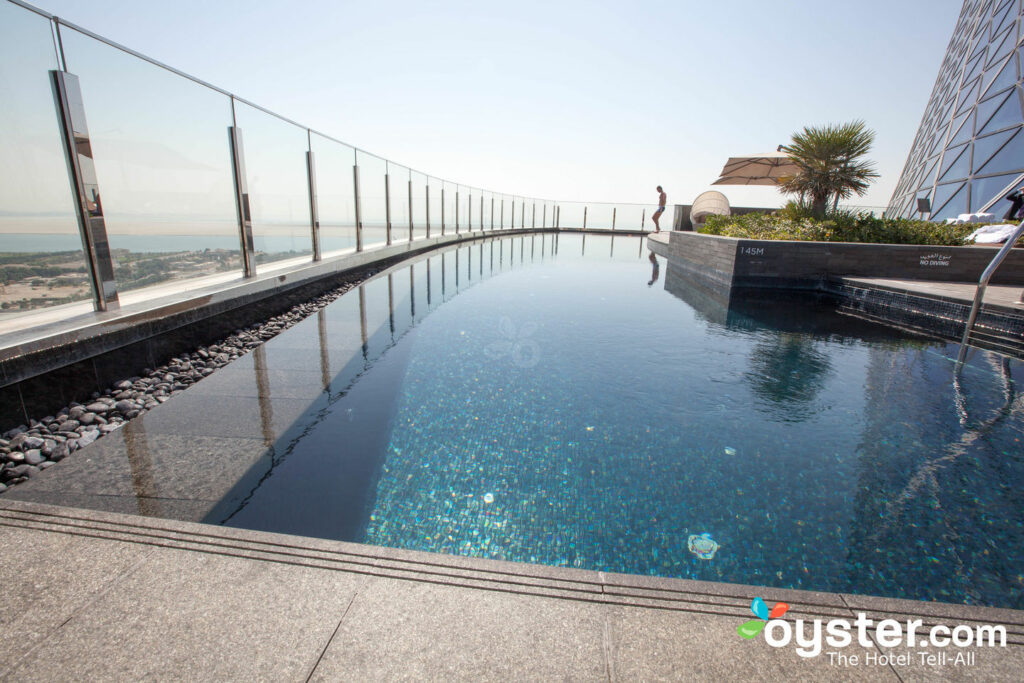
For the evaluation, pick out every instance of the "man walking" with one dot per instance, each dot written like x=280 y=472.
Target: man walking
x=661 y=209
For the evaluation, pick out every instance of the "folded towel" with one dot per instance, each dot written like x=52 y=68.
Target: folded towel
x=992 y=234
x=971 y=218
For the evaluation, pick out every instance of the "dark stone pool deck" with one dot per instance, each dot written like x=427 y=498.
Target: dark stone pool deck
x=105 y=596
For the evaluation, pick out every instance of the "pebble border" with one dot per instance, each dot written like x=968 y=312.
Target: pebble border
x=27 y=450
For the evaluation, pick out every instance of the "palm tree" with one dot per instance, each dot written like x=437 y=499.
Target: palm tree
x=830 y=163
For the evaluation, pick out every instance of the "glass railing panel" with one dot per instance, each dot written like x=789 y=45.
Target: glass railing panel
x=335 y=194
x=419 y=205
x=466 y=218
x=491 y=211
x=450 y=190
x=435 y=185
x=571 y=215
x=372 y=204
x=633 y=216
x=599 y=216
x=505 y=211
x=163 y=165
x=398 y=179
x=275 y=165
x=41 y=258
x=483 y=210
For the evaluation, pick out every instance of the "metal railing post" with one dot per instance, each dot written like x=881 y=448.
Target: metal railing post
x=614 y=209
x=357 y=207
x=584 y=218
x=980 y=292
x=544 y=216
x=502 y=216
x=643 y=218
x=427 y=188
x=85 y=188
x=314 y=212
x=456 y=212
x=492 y=213
x=533 y=216
x=481 y=213
x=558 y=217
x=242 y=202
x=522 y=215
x=442 y=210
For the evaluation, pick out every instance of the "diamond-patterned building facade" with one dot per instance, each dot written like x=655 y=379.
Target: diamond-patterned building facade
x=969 y=148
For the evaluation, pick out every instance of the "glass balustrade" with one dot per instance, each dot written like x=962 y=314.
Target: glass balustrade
x=335 y=194
x=41 y=259
x=372 y=198
x=275 y=164
x=160 y=145
x=398 y=194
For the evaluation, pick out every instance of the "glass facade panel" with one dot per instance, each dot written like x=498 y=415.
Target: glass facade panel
x=1009 y=158
x=985 y=189
x=335 y=193
x=960 y=168
x=275 y=165
x=954 y=207
x=995 y=31
x=1003 y=78
x=162 y=159
x=953 y=155
x=985 y=147
x=41 y=259
x=973 y=69
x=1005 y=43
x=1007 y=114
x=942 y=195
x=372 y=203
x=968 y=96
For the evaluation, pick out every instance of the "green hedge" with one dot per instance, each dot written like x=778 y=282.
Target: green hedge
x=841 y=227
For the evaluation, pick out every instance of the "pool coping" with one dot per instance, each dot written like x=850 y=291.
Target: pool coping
x=630 y=590
x=651 y=598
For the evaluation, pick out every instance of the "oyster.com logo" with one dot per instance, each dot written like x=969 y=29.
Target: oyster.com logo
x=524 y=351
x=750 y=629
x=872 y=637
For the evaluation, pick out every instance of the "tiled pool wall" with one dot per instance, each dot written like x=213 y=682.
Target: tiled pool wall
x=995 y=329
x=774 y=263
x=721 y=267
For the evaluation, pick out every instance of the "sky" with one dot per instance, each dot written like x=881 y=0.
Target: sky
x=575 y=101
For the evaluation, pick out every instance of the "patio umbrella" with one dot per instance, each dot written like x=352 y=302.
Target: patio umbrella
x=757 y=169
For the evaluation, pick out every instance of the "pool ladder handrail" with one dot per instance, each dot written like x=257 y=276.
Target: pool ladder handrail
x=980 y=292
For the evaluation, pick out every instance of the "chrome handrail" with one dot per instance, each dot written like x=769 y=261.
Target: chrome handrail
x=980 y=292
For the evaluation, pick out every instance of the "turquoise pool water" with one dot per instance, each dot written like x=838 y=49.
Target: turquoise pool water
x=568 y=402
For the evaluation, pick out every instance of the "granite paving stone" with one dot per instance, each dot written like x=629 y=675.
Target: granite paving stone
x=409 y=630
x=48 y=577
x=198 y=616
x=657 y=645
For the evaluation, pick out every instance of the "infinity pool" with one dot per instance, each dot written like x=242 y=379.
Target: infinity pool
x=569 y=402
